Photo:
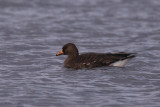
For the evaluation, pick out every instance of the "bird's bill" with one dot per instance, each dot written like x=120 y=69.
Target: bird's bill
x=60 y=52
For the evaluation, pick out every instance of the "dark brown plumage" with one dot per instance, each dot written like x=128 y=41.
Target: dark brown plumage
x=90 y=60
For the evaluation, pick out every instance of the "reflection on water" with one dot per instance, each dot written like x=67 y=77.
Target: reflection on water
x=33 y=32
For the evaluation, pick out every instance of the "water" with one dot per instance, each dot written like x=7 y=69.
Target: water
x=32 y=32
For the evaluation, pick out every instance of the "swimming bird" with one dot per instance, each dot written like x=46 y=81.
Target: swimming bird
x=91 y=60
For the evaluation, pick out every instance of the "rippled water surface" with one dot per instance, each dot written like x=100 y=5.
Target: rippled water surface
x=33 y=31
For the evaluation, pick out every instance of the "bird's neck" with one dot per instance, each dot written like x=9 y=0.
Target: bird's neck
x=73 y=56
x=70 y=59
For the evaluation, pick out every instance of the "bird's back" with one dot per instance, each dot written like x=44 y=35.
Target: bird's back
x=90 y=60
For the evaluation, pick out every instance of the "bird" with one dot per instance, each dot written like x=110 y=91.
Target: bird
x=92 y=59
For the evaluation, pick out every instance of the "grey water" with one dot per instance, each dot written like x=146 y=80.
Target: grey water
x=33 y=31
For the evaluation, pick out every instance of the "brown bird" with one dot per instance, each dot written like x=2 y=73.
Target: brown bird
x=90 y=60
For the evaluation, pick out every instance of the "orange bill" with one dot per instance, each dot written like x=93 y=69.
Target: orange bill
x=60 y=52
